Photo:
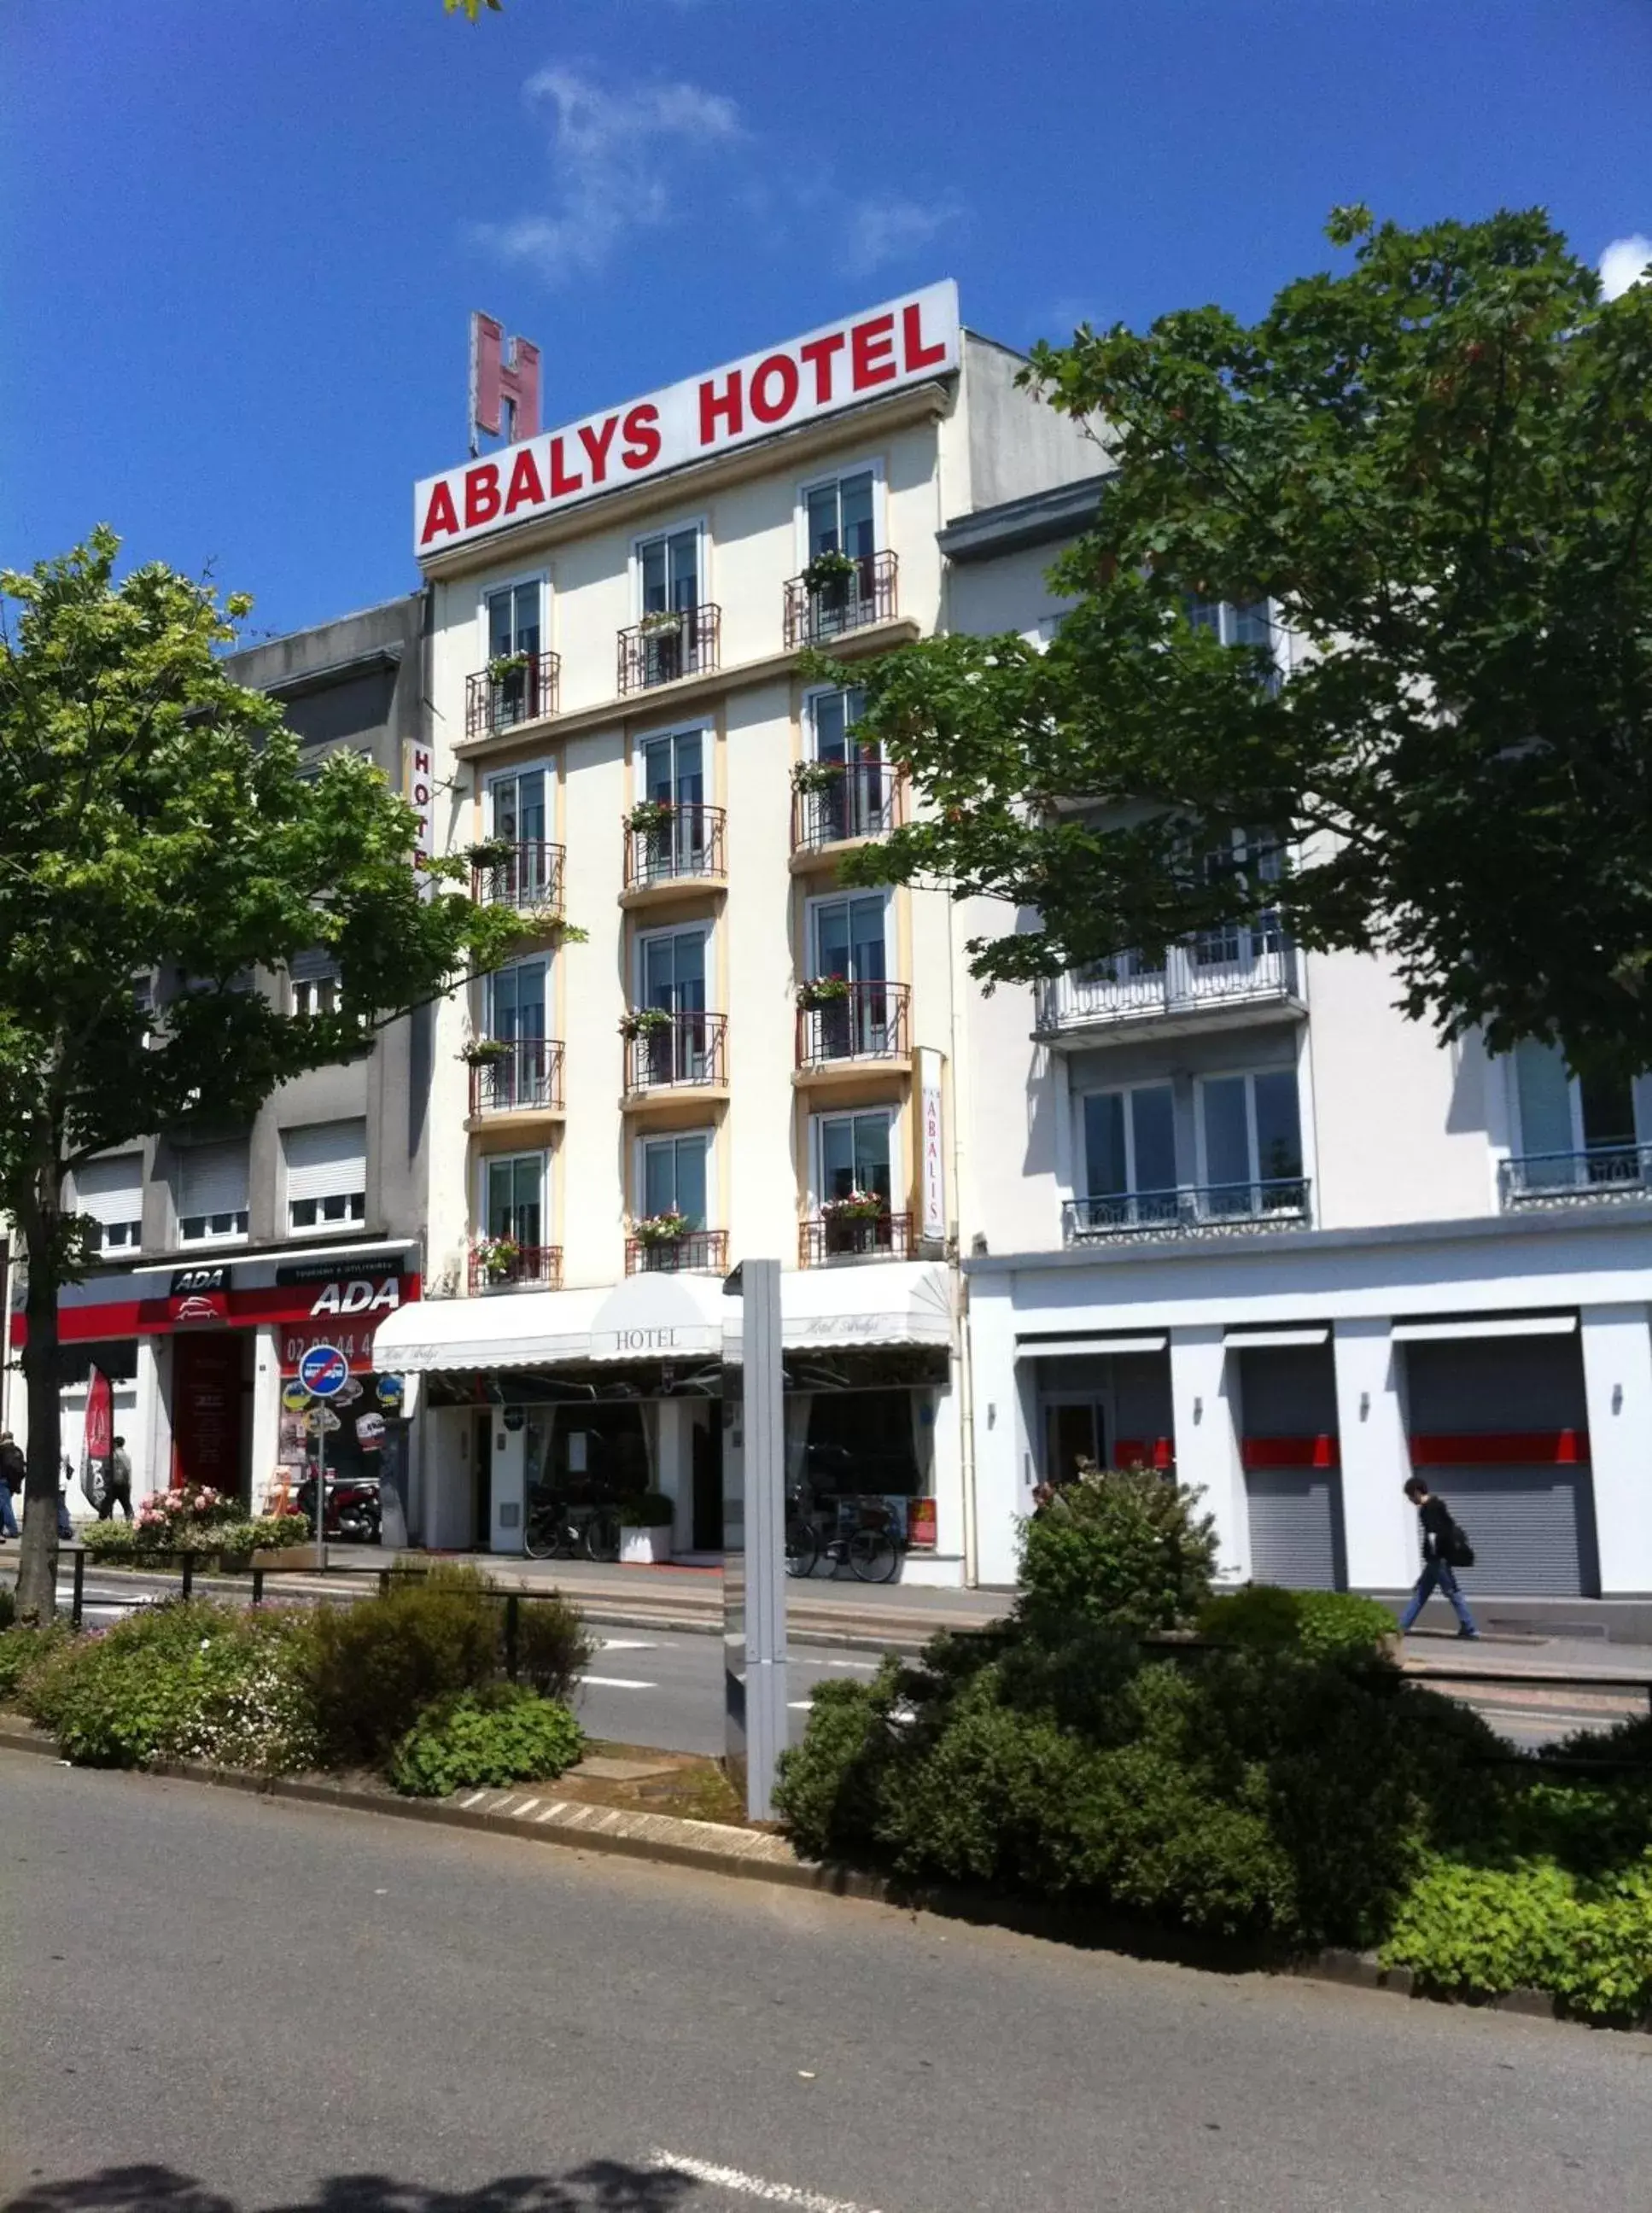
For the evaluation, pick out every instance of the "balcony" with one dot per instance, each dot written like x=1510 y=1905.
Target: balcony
x=522 y=1076
x=838 y=801
x=1604 y=1175
x=828 y=1237
x=1218 y=1210
x=818 y=611
x=840 y=1024
x=500 y=1264
x=668 y=845
x=697 y=1249
x=1215 y=979
x=519 y=688
x=661 y=648
x=668 y=1052
x=527 y=877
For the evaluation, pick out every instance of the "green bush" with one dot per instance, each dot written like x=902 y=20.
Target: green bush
x=1481 y=1931
x=486 y=1739
x=265 y=1532
x=21 y=1650
x=110 y=1541
x=376 y=1665
x=1262 y=1617
x=551 y=1647
x=1341 y=1621
x=7 y=1606
x=1124 y=1548
x=194 y=1681
x=646 y=1509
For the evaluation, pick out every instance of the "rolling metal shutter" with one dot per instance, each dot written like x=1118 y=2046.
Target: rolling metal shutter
x=1295 y=1527
x=213 y=1179
x=111 y=1192
x=1531 y=1528
x=327 y=1160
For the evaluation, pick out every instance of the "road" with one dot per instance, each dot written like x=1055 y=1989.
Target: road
x=212 y=2002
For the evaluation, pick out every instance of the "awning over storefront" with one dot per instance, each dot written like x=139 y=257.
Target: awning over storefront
x=664 y=1317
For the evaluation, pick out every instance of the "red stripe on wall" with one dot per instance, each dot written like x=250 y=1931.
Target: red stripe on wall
x=1291 y=1452
x=1143 y=1451
x=1502 y=1448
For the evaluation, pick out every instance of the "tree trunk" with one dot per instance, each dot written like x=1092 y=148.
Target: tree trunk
x=37 y=1570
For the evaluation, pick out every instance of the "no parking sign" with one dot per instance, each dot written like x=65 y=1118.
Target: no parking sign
x=324 y=1371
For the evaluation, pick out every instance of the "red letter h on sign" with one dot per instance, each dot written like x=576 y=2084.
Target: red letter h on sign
x=494 y=381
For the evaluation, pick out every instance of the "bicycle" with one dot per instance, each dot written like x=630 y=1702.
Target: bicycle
x=871 y=1548
x=554 y=1531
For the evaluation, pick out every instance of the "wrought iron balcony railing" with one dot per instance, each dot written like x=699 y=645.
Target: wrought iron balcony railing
x=861 y=799
x=683 y=641
x=526 y=1076
x=1600 y=1174
x=817 y=612
x=826 y=1237
x=695 y=1249
x=852 y=1022
x=495 y=1267
x=675 y=1049
x=1222 y=969
x=529 y=879
x=1191 y=1210
x=685 y=842
x=523 y=688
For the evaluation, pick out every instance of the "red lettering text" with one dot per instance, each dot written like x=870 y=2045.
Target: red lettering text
x=439 y=517
x=817 y=353
x=778 y=368
x=918 y=356
x=727 y=405
x=642 y=430
x=526 y=490
x=872 y=349
x=596 y=444
x=561 y=483
x=481 y=495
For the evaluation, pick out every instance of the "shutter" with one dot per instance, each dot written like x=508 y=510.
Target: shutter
x=309 y=967
x=328 y=1159
x=1294 y=1527
x=111 y=1192
x=212 y=1179
x=1531 y=1528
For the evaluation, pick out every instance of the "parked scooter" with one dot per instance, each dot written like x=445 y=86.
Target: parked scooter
x=352 y=1507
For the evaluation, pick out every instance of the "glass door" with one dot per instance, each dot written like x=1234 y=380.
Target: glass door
x=674 y=979
x=670 y=572
x=854 y=805
x=674 y=776
x=514 y=653
x=850 y=945
x=1252 y=1144
x=516 y=1018
x=519 y=818
x=1130 y=1159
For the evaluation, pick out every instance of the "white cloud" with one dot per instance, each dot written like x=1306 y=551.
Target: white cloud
x=889 y=229
x=1623 y=262
x=611 y=160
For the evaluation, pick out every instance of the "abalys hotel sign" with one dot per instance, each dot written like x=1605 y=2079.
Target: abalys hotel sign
x=839 y=366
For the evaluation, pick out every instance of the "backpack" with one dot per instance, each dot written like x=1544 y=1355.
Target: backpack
x=1455 y=1549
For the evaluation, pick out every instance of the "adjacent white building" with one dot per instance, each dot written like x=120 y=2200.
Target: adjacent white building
x=707 y=1048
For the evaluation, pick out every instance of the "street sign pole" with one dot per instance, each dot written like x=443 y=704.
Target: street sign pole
x=320 y=1420
x=324 y=1371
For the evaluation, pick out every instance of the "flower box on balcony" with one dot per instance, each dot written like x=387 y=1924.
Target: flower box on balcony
x=644 y=1021
x=486 y=1052
x=500 y=671
x=491 y=853
x=832 y=573
x=650 y=816
x=497 y=1258
x=823 y=992
x=661 y=622
x=817 y=776
x=663 y=1228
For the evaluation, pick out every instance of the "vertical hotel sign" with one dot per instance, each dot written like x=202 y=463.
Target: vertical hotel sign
x=932 y=1176
x=419 y=789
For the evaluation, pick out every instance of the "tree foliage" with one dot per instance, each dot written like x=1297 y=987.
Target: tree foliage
x=1437 y=466
x=159 y=848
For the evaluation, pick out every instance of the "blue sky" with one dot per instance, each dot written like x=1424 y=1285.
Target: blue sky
x=241 y=241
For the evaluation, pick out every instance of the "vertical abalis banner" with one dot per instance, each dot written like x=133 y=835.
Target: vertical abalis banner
x=98 y=1437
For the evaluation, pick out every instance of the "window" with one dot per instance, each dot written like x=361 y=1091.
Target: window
x=1252 y=1144
x=1130 y=1154
x=852 y=1153
x=517 y=1002
x=213 y=1192
x=513 y=644
x=517 y=807
x=1245 y=624
x=840 y=516
x=848 y=938
x=856 y=803
x=111 y=1193
x=669 y=571
x=1253 y=854
x=672 y=970
x=513 y=1202
x=675 y=1177
x=673 y=768
x=1573 y=1129
x=316 y=994
x=326 y=1174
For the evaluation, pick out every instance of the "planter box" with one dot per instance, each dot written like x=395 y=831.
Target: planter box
x=279 y=1558
x=644 y=1547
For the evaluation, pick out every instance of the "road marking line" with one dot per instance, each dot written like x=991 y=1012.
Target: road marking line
x=799 y=1706
x=524 y=1809
x=475 y=1798
x=871 y=1666
x=753 y=2185
x=625 y=1644
x=618 y=1683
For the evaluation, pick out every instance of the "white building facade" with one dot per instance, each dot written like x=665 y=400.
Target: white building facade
x=706 y=1048
x=1248 y=1221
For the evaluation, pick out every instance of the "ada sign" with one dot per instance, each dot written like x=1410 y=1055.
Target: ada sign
x=324 y=1371
x=862 y=357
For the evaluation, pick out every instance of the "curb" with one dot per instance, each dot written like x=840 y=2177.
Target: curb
x=757 y=1855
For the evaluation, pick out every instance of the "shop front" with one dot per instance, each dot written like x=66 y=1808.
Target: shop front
x=198 y=1357
x=593 y=1394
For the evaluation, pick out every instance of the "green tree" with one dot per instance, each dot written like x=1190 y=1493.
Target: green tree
x=1437 y=465
x=154 y=825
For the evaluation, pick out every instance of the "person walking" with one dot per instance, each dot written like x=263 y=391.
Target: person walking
x=1440 y=1539
x=65 y=1526
x=117 y=1483
x=14 y=1473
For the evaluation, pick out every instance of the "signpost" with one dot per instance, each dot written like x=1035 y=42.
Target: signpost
x=323 y=1371
x=755 y=1536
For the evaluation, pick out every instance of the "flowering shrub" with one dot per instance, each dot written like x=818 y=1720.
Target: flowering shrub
x=854 y=1206
x=497 y=1257
x=661 y=1228
x=180 y=1518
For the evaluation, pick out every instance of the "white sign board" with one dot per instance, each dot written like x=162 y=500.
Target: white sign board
x=932 y=1178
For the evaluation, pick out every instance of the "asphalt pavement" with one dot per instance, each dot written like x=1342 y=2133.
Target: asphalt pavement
x=213 y=2001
